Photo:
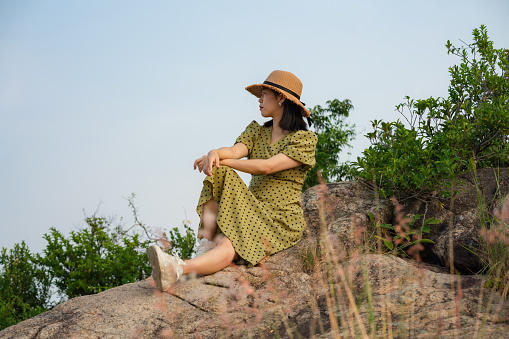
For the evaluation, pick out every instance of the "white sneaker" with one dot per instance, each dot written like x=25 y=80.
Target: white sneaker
x=204 y=246
x=166 y=268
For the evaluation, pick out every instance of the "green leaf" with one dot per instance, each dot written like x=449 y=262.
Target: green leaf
x=387 y=243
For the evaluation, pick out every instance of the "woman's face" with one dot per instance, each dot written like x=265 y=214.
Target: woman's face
x=269 y=103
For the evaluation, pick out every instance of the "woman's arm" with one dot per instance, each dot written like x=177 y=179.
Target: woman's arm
x=214 y=157
x=274 y=164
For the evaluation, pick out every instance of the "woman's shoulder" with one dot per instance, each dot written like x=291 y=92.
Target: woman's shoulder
x=254 y=125
x=303 y=135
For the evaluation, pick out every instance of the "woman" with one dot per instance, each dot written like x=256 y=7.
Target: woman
x=255 y=222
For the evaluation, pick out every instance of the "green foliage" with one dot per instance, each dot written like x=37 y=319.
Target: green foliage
x=445 y=134
x=24 y=286
x=333 y=136
x=182 y=245
x=404 y=164
x=397 y=239
x=95 y=258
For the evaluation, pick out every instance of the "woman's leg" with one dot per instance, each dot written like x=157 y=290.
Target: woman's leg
x=209 y=220
x=166 y=268
x=212 y=261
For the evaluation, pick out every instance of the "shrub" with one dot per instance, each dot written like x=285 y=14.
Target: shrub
x=95 y=258
x=445 y=135
x=181 y=245
x=333 y=136
x=24 y=286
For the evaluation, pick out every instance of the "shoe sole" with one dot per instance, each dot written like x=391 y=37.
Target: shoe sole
x=154 y=259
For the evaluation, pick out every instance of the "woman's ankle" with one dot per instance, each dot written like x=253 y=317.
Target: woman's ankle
x=205 y=234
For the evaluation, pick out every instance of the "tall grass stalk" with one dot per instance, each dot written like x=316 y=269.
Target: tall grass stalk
x=354 y=306
x=494 y=249
x=331 y=302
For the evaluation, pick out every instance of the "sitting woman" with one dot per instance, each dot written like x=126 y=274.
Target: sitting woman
x=255 y=222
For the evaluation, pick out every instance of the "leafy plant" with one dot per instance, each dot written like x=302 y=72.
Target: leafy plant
x=24 y=286
x=95 y=258
x=182 y=245
x=397 y=238
x=444 y=134
x=333 y=136
x=98 y=257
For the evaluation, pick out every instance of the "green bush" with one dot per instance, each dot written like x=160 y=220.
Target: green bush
x=182 y=245
x=334 y=135
x=95 y=258
x=24 y=286
x=446 y=136
x=399 y=238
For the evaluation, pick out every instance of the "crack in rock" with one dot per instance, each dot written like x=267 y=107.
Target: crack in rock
x=215 y=284
x=190 y=303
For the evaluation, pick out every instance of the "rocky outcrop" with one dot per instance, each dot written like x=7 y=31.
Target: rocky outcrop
x=241 y=302
x=310 y=290
x=346 y=209
x=477 y=197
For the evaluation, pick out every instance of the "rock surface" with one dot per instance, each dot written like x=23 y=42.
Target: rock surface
x=344 y=209
x=258 y=302
x=294 y=293
x=490 y=186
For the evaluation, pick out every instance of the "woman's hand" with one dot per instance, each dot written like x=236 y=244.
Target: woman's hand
x=216 y=156
x=206 y=162
x=198 y=163
x=212 y=159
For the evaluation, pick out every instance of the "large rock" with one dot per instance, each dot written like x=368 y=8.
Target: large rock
x=477 y=197
x=241 y=302
x=344 y=209
x=426 y=302
x=307 y=291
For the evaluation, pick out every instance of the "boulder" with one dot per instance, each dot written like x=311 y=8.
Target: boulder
x=238 y=302
x=477 y=197
x=347 y=209
x=310 y=290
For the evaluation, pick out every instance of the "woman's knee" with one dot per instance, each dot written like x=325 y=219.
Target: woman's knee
x=211 y=206
x=228 y=249
x=222 y=170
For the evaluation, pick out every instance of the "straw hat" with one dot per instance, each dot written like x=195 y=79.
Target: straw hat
x=285 y=83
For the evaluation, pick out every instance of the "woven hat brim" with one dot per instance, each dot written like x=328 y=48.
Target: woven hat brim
x=256 y=90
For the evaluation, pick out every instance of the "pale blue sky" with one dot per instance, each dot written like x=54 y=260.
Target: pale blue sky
x=100 y=99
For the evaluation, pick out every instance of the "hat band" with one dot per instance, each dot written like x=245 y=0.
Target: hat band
x=283 y=88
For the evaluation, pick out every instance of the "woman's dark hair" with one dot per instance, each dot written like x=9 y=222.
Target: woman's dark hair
x=292 y=119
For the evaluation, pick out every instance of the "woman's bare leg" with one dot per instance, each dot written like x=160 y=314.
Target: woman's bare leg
x=209 y=220
x=212 y=261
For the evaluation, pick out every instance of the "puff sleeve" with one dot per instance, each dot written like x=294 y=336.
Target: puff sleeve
x=301 y=147
x=250 y=135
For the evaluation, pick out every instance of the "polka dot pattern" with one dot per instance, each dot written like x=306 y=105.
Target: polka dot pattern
x=266 y=217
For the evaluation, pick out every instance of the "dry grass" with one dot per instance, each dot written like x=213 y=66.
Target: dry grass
x=355 y=306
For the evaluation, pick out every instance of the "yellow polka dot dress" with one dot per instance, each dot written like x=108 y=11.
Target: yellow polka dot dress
x=266 y=217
